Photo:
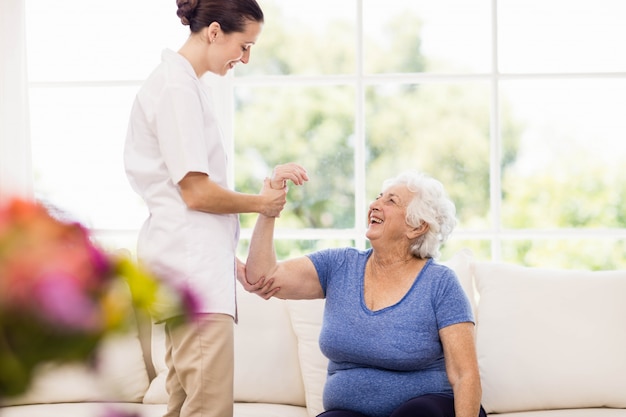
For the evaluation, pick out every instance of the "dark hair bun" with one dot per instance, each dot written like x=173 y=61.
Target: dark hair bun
x=186 y=9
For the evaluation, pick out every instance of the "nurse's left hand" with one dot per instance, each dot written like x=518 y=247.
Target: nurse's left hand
x=261 y=288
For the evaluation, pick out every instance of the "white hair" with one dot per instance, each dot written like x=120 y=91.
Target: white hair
x=430 y=204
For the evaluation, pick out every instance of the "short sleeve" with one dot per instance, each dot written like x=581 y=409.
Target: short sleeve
x=325 y=261
x=451 y=303
x=180 y=129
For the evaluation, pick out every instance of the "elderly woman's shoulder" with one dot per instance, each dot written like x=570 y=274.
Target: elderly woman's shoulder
x=348 y=250
x=441 y=269
x=341 y=253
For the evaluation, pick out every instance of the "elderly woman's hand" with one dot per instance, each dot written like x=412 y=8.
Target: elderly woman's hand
x=289 y=171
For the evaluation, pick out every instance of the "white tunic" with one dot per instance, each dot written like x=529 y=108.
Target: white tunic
x=173 y=131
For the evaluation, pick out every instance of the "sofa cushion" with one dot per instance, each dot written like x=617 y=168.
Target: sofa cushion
x=550 y=339
x=268 y=410
x=142 y=410
x=462 y=263
x=580 y=412
x=120 y=375
x=306 y=319
x=267 y=368
x=85 y=409
x=266 y=355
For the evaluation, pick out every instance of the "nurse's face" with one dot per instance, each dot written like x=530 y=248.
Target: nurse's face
x=227 y=50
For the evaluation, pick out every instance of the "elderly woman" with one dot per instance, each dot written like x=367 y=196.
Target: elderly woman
x=398 y=329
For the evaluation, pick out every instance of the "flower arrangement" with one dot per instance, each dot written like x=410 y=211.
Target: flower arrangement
x=60 y=294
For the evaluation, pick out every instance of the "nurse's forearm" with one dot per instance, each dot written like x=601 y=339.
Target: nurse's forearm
x=201 y=194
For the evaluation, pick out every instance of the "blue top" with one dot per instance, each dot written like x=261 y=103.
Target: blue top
x=380 y=359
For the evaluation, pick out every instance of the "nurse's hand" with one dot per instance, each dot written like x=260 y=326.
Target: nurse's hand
x=273 y=200
x=275 y=188
x=261 y=288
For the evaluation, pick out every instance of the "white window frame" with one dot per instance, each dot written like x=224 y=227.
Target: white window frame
x=15 y=162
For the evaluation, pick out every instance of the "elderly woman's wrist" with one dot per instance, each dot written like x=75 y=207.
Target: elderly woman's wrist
x=277 y=184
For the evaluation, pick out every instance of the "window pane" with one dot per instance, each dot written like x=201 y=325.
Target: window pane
x=313 y=126
x=78 y=137
x=560 y=140
x=480 y=248
x=290 y=248
x=427 y=36
x=569 y=253
x=440 y=129
x=114 y=240
x=561 y=36
x=568 y=171
x=104 y=40
x=305 y=38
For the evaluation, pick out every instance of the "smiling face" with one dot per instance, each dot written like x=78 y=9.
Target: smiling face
x=387 y=215
x=228 y=49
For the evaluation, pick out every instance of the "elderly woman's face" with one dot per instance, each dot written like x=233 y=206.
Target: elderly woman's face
x=387 y=214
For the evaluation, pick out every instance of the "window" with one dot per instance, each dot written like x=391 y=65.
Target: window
x=516 y=106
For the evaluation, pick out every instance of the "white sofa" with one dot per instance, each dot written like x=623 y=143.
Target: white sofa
x=551 y=343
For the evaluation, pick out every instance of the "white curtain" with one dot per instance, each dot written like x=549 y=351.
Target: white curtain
x=15 y=152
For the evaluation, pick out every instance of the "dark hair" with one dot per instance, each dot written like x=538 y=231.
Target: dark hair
x=230 y=14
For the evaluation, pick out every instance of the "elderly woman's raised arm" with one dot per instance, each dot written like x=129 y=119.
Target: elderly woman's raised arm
x=291 y=279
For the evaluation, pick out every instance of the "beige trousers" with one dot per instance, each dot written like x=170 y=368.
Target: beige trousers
x=200 y=360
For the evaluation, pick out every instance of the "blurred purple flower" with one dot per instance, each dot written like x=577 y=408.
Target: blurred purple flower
x=65 y=305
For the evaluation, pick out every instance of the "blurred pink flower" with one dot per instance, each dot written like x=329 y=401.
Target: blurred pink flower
x=60 y=291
